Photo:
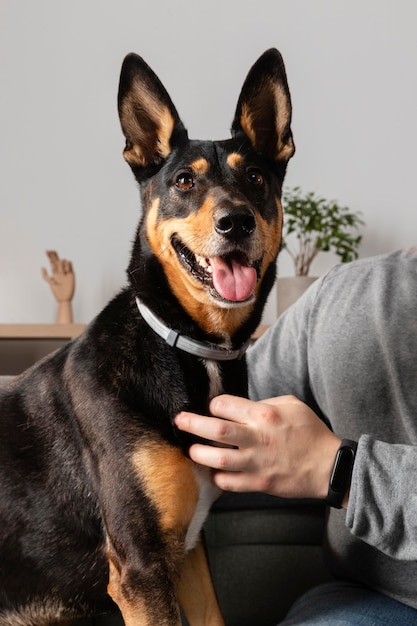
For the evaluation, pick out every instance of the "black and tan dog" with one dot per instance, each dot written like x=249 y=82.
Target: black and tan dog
x=99 y=501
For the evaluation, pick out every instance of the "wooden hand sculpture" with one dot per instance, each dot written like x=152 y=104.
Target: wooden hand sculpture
x=62 y=284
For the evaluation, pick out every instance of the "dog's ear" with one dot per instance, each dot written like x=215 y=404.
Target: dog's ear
x=263 y=110
x=148 y=117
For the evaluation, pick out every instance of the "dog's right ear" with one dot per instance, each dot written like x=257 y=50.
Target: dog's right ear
x=148 y=117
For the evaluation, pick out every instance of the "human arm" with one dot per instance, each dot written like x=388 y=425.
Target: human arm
x=383 y=498
x=351 y=352
x=347 y=349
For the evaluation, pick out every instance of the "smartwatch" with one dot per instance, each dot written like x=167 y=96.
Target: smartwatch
x=341 y=475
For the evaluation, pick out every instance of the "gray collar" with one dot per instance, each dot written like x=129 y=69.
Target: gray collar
x=197 y=348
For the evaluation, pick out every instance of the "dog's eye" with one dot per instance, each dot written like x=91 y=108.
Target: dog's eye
x=254 y=176
x=185 y=181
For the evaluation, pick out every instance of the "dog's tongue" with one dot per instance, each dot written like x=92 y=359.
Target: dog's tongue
x=232 y=280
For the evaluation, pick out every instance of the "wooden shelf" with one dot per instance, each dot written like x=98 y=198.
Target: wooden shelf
x=63 y=331
x=40 y=331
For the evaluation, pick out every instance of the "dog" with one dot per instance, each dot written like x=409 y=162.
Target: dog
x=100 y=503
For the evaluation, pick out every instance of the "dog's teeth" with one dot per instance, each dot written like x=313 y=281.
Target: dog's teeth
x=202 y=262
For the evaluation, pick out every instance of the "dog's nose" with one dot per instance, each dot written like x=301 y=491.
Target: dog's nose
x=234 y=223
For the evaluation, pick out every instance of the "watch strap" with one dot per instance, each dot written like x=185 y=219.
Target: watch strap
x=341 y=475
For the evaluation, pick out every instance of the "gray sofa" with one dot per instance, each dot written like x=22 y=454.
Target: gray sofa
x=263 y=553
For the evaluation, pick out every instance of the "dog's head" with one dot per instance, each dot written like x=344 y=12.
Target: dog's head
x=212 y=212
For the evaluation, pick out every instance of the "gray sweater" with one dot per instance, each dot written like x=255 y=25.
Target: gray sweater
x=348 y=348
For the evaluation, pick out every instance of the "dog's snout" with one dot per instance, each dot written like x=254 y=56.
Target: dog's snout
x=234 y=223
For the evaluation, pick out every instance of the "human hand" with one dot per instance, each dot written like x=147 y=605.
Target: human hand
x=280 y=446
x=62 y=283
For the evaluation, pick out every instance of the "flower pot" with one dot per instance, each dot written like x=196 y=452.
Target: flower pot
x=290 y=288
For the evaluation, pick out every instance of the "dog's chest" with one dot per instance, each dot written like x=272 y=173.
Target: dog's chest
x=208 y=492
x=215 y=378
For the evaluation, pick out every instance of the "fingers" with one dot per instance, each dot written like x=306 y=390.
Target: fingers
x=66 y=266
x=232 y=469
x=214 y=429
x=59 y=266
x=235 y=421
x=233 y=408
x=53 y=259
x=49 y=279
x=276 y=443
x=224 y=459
x=237 y=481
x=46 y=276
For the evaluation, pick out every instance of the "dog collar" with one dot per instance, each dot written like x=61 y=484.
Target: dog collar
x=198 y=348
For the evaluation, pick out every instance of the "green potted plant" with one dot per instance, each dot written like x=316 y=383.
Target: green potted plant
x=312 y=225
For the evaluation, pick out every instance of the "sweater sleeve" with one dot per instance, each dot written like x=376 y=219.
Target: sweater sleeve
x=278 y=361
x=382 y=507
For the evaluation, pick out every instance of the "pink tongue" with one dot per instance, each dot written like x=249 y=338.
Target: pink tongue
x=232 y=280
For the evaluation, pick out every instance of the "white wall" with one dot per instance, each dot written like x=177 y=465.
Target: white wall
x=352 y=71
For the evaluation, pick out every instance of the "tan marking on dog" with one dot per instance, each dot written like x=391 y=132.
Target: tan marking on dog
x=196 y=231
x=271 y=236
x=195 y=590
x=200 y=166
x=234 y=160
x=166 y=126
x=135 y=610
x=261 y=107
x=196 y=228
x=169 y=481
x=139 y=149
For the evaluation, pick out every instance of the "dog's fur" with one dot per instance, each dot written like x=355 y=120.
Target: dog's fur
x=99 y=500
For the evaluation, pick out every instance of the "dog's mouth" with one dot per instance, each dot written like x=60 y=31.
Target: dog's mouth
x=231 y=277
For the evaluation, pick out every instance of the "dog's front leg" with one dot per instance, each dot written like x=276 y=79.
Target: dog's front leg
x=144 y=599
x=147 y=524
x=195 y=590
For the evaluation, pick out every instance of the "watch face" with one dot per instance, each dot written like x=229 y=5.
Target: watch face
x=342 y=470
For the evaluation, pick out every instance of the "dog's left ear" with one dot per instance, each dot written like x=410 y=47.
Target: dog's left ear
x=263 y=111
x=148 y=117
